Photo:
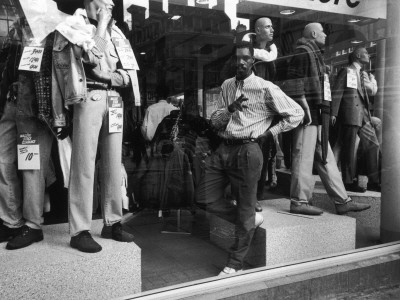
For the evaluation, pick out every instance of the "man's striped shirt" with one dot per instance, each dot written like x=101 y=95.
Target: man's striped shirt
x=266 y=100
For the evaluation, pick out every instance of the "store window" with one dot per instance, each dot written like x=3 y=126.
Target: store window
x=186 y=50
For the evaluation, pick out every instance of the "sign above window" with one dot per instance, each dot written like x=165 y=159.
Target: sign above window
x=363 y=8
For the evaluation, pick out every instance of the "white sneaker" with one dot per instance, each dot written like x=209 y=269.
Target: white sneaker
x=228 y=271
x=259 y=219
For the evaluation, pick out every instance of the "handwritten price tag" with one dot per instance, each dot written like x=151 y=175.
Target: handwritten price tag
x=125 y=54
x=28 y=153
x=351 y=78
x=115 y=114
x=31 y=59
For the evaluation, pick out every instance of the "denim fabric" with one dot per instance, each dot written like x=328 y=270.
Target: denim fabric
x=306 y=152
x=10 y=186
x=241 y=167
x=34 y=183
x=90 y=128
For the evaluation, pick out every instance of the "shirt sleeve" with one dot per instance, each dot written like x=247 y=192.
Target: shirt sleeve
x=264 y=55
x=120 y=78
x=370 y=85
x=220 y=118
x=291 y=112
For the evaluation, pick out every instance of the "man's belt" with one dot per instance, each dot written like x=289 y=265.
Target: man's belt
x=97 y=85
x=233 y=142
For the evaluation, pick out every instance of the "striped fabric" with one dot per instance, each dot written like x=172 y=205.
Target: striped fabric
x=266 y=100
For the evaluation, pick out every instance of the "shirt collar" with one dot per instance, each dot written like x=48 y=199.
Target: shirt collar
x=247 y=79
x=357 y=65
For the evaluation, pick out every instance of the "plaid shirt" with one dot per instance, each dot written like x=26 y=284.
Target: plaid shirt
x=266 y=101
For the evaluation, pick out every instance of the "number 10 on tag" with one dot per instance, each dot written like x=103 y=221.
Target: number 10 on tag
x=28 y=153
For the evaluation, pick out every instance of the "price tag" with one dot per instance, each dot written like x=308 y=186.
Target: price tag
x=31 y=59
x=28 y=152
x=125 y=54
x=351 y=78
x=327 y=88
x=135 y=86
x=115 y=114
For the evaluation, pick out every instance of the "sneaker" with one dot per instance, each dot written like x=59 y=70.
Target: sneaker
x=304 y=209
x=351 y=206
x=85 y=243
x=7 y=233
x=228 y=271
x=116 y=233
x=259 y=219
x=26 y=237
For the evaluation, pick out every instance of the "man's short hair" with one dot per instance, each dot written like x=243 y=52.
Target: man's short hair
x=244 y=45
x=353 y=55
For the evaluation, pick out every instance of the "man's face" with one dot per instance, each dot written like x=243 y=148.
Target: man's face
x=244 y=63
x=320 y=35
x=264 y=30
x=363 y=56
x=108 y=4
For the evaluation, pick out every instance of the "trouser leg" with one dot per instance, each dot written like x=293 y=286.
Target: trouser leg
x=87 y=122
x=10 y=185
x=34 y=181
x=245 y=168
x=349 y=134
x=303 y=149
x=330 y=175
x=110 y=175
x=370 y=153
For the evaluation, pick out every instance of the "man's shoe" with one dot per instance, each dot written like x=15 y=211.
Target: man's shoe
x=258 y=207
x=259 y=219
x=26 y=237
x=85 y=243
x=304 y=209
x=351 y=206
x=7 y=233
x=118 y=234
x=354 y=187
x=228 y=271
x=375 y=187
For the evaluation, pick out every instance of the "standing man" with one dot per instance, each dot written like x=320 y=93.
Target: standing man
x=309 y=86
x=21 y=205
x=92 y=78
x=351 y=106
x=247 y=106
x=265 y=52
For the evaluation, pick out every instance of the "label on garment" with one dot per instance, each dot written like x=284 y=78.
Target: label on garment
x=115 y=114
x=327 y=88
x=125 y=54
x=28 y=152
x=351 y=79
x=135 y=86
x=31 y=59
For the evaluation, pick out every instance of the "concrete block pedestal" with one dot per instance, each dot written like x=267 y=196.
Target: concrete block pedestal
x=285 y=237
x=51 y=269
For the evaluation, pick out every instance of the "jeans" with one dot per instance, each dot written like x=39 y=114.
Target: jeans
x=90 y=128
x=10 y=186
x=239 y=165
x=12 y=125
x=306 y=152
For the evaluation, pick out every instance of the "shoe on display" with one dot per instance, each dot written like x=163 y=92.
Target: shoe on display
x=26 y=237
x=7 y=233
x=118 y=234
x=228 y=271
x=85 y=243
x=304 y=209
x=354 y=187
x=351 y=206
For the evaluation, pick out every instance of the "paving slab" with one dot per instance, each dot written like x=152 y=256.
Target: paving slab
x=51 y=269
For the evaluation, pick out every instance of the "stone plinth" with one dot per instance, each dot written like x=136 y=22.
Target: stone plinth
x=51 y=269
x=285 y=237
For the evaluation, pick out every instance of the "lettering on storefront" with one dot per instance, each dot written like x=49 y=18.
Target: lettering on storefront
x=350 y=3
